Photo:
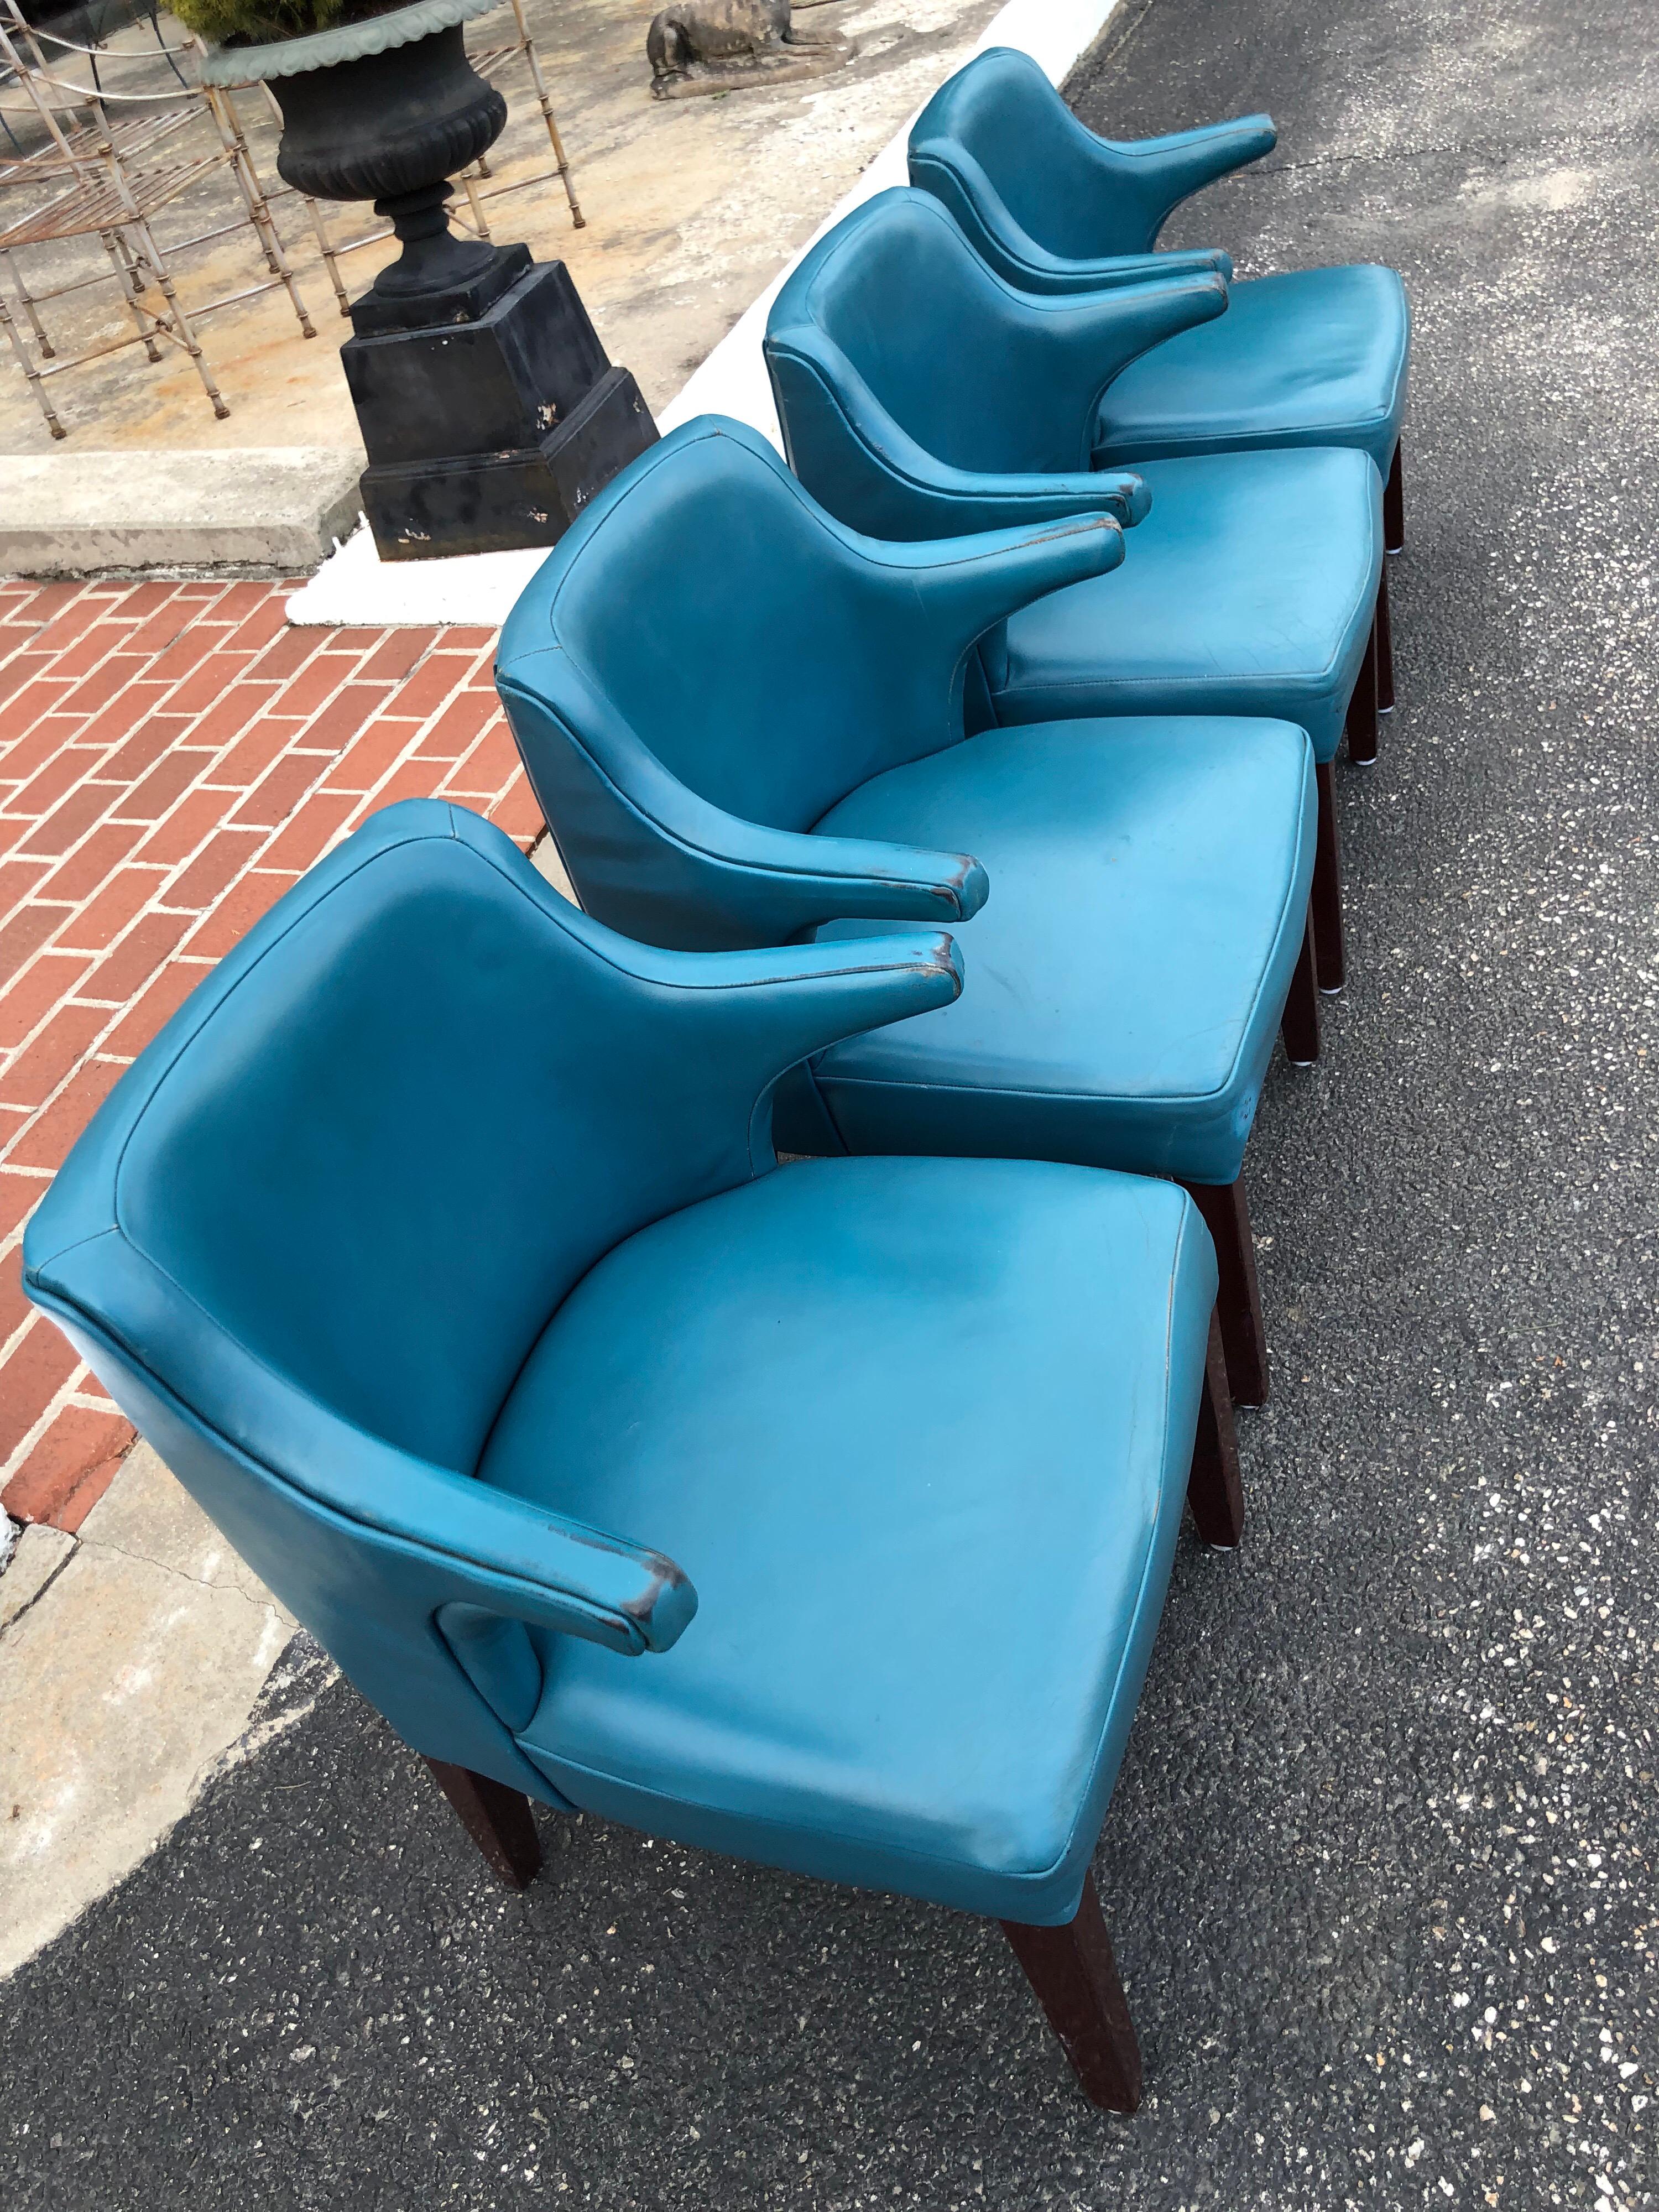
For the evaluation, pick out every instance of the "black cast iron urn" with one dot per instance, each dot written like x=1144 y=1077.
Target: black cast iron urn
x=490 y=411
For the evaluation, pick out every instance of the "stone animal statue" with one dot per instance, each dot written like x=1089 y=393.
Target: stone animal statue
x=714 y=45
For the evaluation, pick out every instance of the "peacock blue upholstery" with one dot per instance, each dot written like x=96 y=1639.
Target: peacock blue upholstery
x=439 y=1245
x=985 y=398
x=1254 y=578
x=1309 y=357
x=1249 y=584
x=888 y=1413
x=780 y=747
x=1149 y=891
x=1249 y=589
x=1038 y=192
x=1315 y=356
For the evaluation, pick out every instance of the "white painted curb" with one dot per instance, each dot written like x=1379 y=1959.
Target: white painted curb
x=355 y=586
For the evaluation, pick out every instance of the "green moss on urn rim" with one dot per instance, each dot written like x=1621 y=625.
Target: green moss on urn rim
x=342 y=42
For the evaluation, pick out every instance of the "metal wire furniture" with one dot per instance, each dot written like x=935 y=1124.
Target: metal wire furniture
x=103 y=179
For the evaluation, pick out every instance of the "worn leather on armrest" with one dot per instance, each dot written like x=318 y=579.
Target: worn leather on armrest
x=1166 y=171
x=715 y=881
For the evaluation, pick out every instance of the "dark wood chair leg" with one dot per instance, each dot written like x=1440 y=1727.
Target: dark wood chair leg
x=1074 y=1975
x=1326 y=903
x=1385 y=649
x=497 y=1819
x=1215 y=1488
x=1239 y=1300
x=1361 y=727
x=1394 y=502
x=1299 y=1022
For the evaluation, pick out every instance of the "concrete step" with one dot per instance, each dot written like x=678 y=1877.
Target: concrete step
x=262 y=510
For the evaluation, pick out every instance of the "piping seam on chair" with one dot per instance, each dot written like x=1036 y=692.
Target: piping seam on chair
x=1363 y=615
x=1034 y=688
x=1140 y=1596
x=1196 y=444
x=1152 y=1101
x=1031 y=1878
x=1371 y=422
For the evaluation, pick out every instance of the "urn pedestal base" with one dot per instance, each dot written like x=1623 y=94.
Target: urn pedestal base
x=488 y=430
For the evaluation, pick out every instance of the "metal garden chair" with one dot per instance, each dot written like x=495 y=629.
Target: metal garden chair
x=107 y=176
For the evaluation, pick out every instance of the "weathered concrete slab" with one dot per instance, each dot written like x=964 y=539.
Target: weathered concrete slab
x=40 y=1551
x=264 y=509
x=127 y=1671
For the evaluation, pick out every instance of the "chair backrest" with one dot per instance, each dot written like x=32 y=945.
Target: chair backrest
x=954 y=356
x=1000 y=123
x=309 y=1239
x=733 y=629
x=353 y=1178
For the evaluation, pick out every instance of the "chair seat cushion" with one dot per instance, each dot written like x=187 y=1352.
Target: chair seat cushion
x=1249 y=589
x=1125 y=978
x=1314 y=357
x=920 y=1432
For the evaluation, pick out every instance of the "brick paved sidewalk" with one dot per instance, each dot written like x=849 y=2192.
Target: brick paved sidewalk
x=173 y=757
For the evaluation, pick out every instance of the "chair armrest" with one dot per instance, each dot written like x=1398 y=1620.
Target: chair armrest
x=770 y=1009
x=1157 y=173
x=1048 y=273
x=1099 y=333
x=468 y=1543
x=945 y=168
x=874 y=478
x=928 y=499
x=844 y=445
x=526 y=1564
x=967 y=584
x=800 y=881
x=785 y=1002
x=712 y=880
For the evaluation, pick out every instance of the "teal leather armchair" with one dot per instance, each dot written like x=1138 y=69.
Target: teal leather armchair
x=1038 y=192
x=1312 y=356
x=712 y=683
x=439 y=1245
x=918 y=391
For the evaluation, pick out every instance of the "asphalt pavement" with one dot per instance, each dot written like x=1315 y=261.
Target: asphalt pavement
x=1380 y=1866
